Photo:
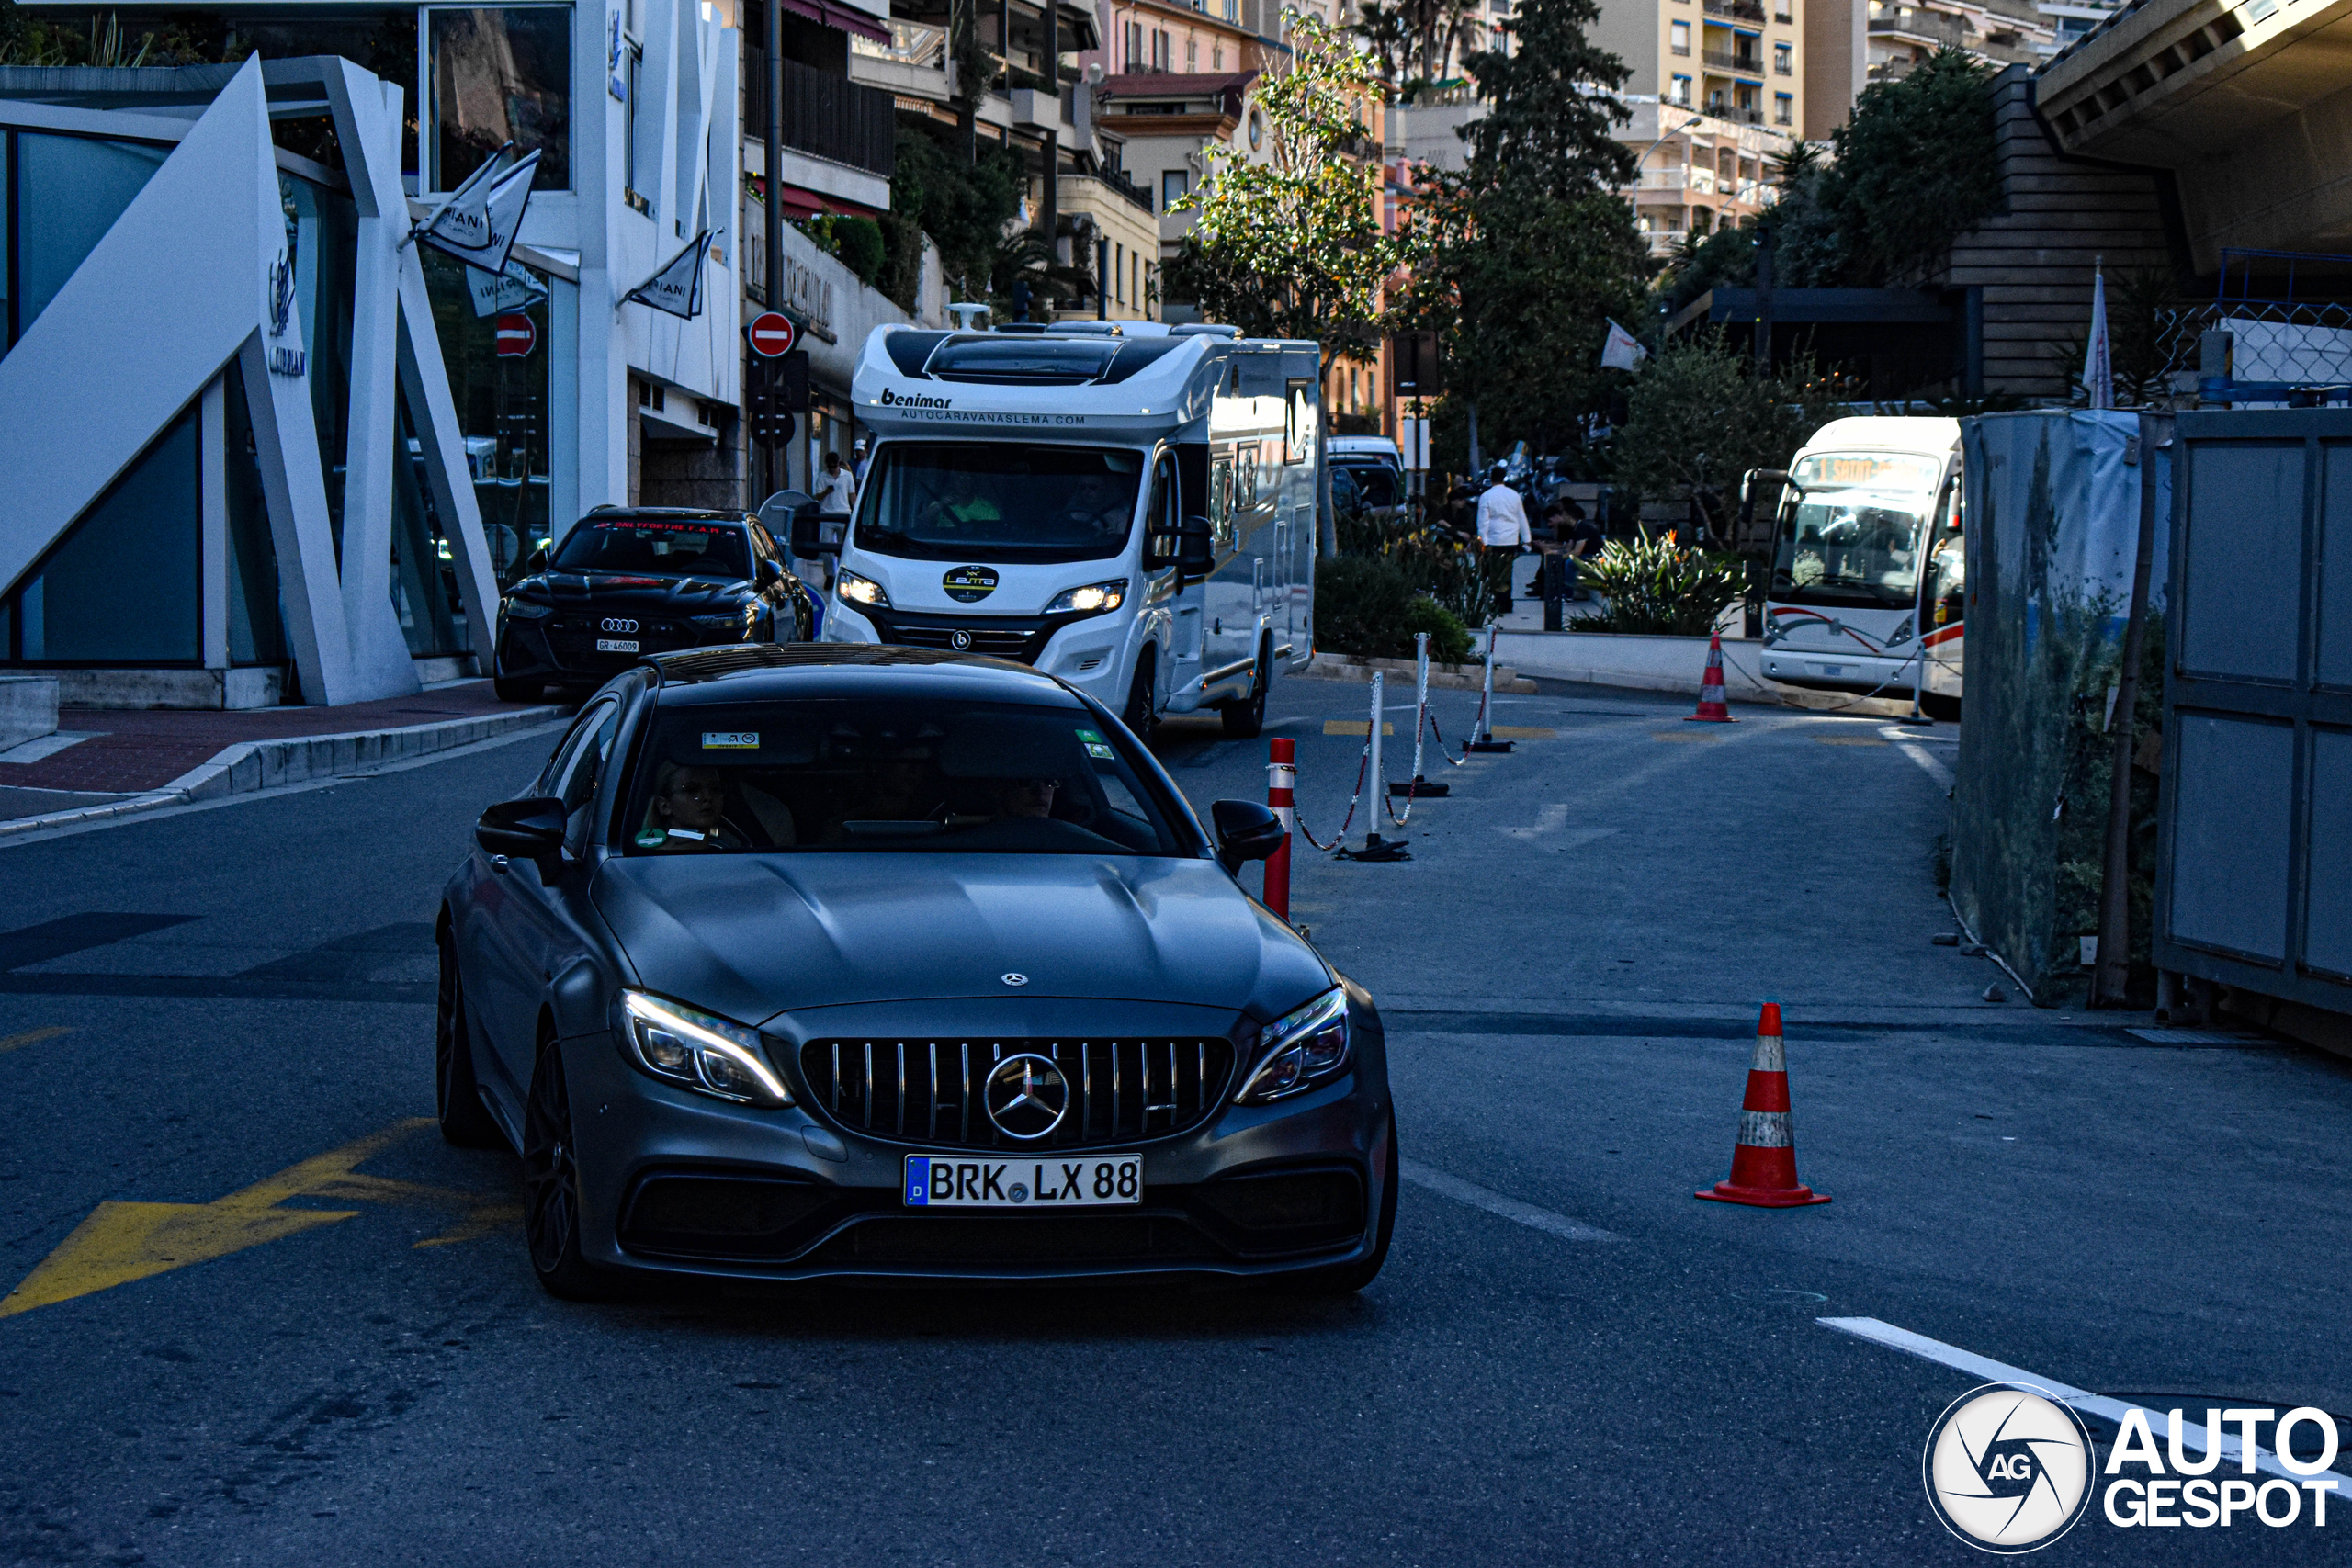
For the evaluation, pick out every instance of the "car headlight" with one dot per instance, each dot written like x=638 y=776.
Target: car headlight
x=524 y=610
x=734 y=622
x=857 y=589
x=1094 y=599
x=700 y=1051
x=1299 y=1049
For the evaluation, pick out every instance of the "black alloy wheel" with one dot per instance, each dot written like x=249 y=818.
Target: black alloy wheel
x=551 y=1187
x=1137 y=715
x=1346 y=1279
x=1245 y=719
x=457 y=1094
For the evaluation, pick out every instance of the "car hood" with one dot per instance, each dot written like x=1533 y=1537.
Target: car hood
x=623 y=591
x=751 y=936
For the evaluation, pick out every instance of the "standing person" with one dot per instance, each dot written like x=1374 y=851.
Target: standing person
x=837 y=490
x=859 y=459
x=1502 y=525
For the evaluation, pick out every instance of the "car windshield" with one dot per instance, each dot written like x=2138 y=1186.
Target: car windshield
x=655 y=546
x=895 y=775
x=1850 y=529
x=1001 y=500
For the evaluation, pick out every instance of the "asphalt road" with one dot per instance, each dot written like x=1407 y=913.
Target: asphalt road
x=261 y=1314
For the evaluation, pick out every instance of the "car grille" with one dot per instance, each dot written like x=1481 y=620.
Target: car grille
x=997 y=636
x=929 y=1091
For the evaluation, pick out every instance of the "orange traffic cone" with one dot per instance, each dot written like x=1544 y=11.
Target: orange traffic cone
x=1764 y=1163
x=1710 y=687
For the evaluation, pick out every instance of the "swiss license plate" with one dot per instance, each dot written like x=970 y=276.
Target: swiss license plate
x=1094 y=1181
x=616 y=645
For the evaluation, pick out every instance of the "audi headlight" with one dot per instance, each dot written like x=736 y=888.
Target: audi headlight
x=1094 y=599
x=1300 y=1049
x=524 y=610
x=700 y=1051
x=857 y=589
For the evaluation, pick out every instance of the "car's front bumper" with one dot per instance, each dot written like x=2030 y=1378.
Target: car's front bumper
x=811 y=1198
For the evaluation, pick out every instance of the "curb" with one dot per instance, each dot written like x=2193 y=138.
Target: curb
x=251 y=765
x=1442 y=677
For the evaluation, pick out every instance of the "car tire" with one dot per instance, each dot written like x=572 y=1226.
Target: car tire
x=1245 y=719
x=1138 y=716
x=456 y=1093
x=1346 y=1279
x=552 y=1189
x=517 y=690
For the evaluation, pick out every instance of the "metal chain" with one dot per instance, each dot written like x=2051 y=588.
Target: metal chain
x=1298 y=818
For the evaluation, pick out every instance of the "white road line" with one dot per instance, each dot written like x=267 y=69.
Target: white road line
x=2192 y=1429
x=1921 y=755
x=1494 y=1203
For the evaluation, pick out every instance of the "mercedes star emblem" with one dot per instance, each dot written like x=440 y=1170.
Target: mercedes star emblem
x=1026 y=1096
x=961 y=642
x=1016 y=979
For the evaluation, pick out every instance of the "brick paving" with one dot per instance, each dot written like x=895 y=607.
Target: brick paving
x=131 y=751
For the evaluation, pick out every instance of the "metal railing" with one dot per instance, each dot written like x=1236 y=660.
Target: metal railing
x=1731 y=61
x=1940 y=27
x=1745 y=10
x=1117 y=184
x=827 y=116
x=911 y=43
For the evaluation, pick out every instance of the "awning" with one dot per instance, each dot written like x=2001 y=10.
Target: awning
x=843 y=18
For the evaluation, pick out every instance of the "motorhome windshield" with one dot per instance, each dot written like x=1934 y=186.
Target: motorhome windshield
x=1849 y=530
x=1003 y=500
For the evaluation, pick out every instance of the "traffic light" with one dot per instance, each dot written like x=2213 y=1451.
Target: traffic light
x=766 y=406
x=791 y=372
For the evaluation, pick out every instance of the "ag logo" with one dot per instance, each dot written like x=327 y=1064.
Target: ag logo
x=2007 y=1469
x=969 y=584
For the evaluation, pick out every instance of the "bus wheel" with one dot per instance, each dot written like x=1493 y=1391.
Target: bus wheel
x=1245 y=719
x=1137 y=715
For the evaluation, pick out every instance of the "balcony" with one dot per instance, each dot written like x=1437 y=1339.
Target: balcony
x=915 y=44
x=1740 y=10
x=1927 y=26
x=1736 y=114
x=1732 y=62
x=826 y=117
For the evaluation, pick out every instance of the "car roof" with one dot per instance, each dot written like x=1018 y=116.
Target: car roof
x=753 y=672
x=664 y=515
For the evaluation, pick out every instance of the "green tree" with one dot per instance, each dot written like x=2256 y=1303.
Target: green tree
x=1916 y=165
x=1293 y=246
x=1698 y=416
x=1552 y=106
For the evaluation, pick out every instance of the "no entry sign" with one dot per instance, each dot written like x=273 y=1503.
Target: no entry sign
x=516 y=336
x=771 y=334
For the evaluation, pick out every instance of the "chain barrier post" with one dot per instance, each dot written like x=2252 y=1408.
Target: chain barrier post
x=1379 y=774
x=1374 y=846
x=1281 y=779
x=1419 y=784
x=1483 y=740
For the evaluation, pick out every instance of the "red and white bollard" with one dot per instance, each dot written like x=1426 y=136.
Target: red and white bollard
x=1281 y=777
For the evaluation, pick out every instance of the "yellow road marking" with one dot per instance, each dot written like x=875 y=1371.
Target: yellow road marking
x=1520 y=733
x=1846 y=740
x=122 y=1242
x=1705 y=736
x=32 y=1037
x=1359 y=727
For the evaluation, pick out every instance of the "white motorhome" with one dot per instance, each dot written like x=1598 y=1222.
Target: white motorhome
x=1866 y=504
x=1130 y=507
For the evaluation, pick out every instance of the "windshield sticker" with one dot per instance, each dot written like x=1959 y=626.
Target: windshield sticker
x=1096 y=746
x=730 y=739
x=968 y=584
x=1091 y=737
x=652 y=838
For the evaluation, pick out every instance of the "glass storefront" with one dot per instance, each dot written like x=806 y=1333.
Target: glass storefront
x=500 y=74
x=78 y=186
x=499 y=377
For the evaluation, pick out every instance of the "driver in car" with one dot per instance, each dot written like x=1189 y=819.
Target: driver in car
x=1025 y=797
x=687 y=810
x=1092 y=507
x=962 y=507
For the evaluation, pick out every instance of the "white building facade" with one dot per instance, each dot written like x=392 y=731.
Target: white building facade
x=257 y=447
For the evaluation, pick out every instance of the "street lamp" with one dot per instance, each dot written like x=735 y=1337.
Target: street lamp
x=1636 y=197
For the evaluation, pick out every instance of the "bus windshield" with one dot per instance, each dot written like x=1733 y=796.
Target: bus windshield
x=1850 y=531
x=1009 y=501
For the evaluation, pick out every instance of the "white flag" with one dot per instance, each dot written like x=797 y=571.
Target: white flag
x=677 y=287
x=2098 y=364
x=495 y=294
x=1620 y=352
x=480 y=220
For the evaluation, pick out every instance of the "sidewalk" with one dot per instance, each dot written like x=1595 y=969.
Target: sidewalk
x=102 y=761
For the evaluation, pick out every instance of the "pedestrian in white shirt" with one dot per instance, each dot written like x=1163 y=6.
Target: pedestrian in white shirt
x=837 y=492
x=1502 y=525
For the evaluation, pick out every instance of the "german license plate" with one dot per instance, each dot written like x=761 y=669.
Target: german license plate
x=616 y=645
x=1095 y=1181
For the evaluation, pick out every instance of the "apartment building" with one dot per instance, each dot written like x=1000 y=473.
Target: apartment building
x=1699 y=171
x=1998 y=32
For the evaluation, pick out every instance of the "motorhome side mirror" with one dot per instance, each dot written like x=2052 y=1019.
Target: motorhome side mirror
x=530 y=830
x=808 y=540
x=1245 y=831
x=1195 y=553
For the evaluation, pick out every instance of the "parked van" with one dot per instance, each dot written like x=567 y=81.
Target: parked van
x=1129 y=506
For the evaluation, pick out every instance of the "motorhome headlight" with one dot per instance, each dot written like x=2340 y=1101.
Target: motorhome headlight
x=857 y=589
x=1094 y=599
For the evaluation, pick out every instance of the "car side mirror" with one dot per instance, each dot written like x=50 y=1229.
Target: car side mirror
x=530 y=830
x=768 y=573
x=808 y=541
x=538 y=562
x=1195 y=555
x=1245 y=831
